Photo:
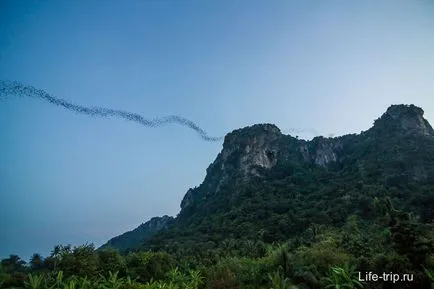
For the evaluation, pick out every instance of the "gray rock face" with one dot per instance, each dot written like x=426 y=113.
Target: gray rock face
x=244 y=151
x=254 y=146
x=326 y=151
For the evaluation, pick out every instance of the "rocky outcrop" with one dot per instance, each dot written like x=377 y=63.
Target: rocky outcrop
x=188 y=198
x=321 y=151
x=244 y=152
x=250 y=147
x=405 y=120
x=143 y=232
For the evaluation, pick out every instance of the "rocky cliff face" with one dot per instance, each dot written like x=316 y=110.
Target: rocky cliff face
x=322 y=151
x=256 y=148
x=244 y=152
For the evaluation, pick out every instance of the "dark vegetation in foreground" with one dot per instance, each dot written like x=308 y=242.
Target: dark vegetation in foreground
x=324 y=257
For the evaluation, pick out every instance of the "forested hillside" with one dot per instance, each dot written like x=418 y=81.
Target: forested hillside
x=275 y=211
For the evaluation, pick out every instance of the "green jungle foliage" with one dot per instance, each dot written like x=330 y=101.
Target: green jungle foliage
x=324 y=256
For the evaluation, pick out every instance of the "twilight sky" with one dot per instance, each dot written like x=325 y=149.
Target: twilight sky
x=329 y=66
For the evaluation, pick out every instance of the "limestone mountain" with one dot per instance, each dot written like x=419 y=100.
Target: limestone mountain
x=268 y=186
x=252 y=151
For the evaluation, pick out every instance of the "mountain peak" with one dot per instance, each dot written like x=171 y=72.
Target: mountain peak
x=265 y=130
x=404 y=119
x=397 y=110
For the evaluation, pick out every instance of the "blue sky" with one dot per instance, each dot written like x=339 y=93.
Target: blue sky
x=331 y=66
